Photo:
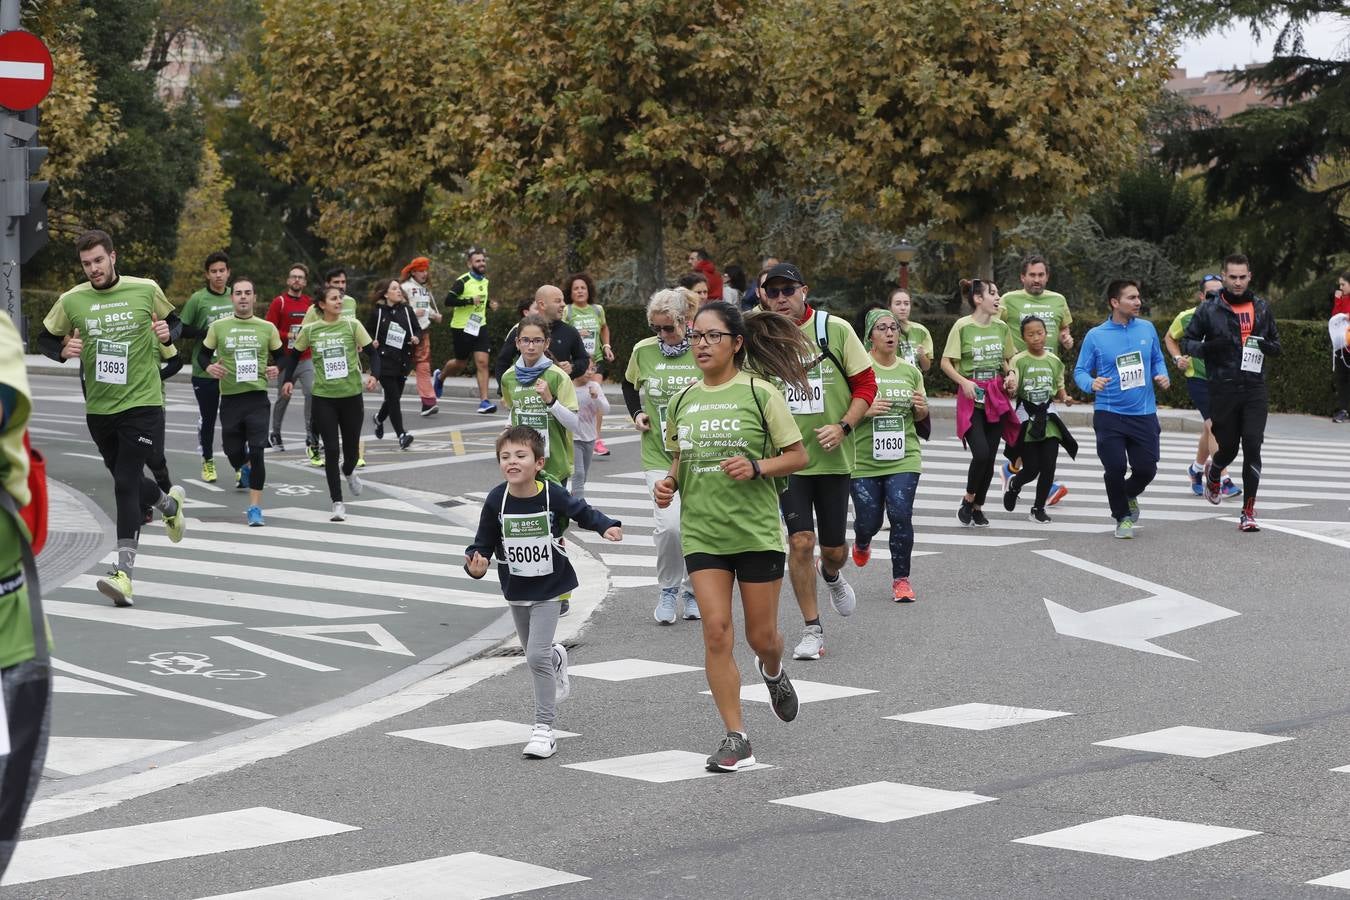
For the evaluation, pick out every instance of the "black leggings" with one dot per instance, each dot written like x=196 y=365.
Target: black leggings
x=128 y=441
x=1038 y=458
x=393 y=394
x=207 y=392
x=338 y=418
x=982 y=440
x=1239 y=418
x=1340 y=374
x=243 y=433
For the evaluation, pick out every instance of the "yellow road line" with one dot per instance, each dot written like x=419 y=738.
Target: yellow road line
x=457 y=439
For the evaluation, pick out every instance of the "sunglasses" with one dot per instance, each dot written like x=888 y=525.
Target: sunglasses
x=773 y=293
x=664 y=329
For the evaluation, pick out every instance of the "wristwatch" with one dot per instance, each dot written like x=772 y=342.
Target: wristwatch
x=848 y=429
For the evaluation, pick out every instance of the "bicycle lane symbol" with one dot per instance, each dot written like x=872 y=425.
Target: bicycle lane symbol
x=179 y=662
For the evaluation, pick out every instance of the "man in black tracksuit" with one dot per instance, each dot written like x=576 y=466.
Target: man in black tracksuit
x=1234 y=333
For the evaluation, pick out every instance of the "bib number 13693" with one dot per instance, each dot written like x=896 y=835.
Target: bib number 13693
x=110 y=362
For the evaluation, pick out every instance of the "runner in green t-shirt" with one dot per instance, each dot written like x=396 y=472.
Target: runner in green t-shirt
x=916 y=341
x=588 y=318
x=338 y=408
x=887 y=442
x=658 y=368
x=115 y=323
x=840 y=387
x=241 y=346
x=468 y=303
x=1034 y=300
x=204 y=307
x=976 y=359
x=1197 y=388
x=1040 y=381
x=542 y=396
x=732 y=437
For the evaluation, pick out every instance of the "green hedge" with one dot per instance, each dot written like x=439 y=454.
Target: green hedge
x=1300 y=379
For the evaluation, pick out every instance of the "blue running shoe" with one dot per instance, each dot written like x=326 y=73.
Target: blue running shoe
x=1229 y=489
x=242 y=477
x=255 y=518
x=1196 y=474
x=437 y=383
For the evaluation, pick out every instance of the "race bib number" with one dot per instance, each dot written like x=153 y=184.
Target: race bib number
x=984 y=374
x=588 y=341
x=1131 y=368
x=528 y=545
x=909 y=352
x=661 y=412
x=888 y=437
x=110 y=361
x=810 y=402
x=335 y=364
x=1253 y=360
x=395 y=336
x=536 y=420
x=245 y=365
x=292 y=335
x=474 y=325
x=979 y=394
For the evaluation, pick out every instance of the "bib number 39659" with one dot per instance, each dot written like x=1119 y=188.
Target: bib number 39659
x=1253 y=360
x=110 y=362
x=334 y=364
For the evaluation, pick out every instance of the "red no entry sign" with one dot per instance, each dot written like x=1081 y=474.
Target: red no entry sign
x=25 y=70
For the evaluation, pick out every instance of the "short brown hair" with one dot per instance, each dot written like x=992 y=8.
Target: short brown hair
x=93 y=238
x=523 y=435
x=1033 y=260
x=301 y=266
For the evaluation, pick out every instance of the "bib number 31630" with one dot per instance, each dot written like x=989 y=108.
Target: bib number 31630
x=888 y=437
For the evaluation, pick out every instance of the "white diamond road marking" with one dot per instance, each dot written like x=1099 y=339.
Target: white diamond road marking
x=659 y=768
x=1186 y=740
x=463 y=876
x=1335 y=879
x=884 y=801
x=628 y=669
x=978 y=716
x=476 y=735
x=135 y=845
x=807 y=692
x=1137 y=837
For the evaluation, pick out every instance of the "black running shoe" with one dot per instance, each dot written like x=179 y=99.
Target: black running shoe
x=963 y=513
x=977 y=516
x=782 y=695
x=1038 y=515
x=1010 y=500
x=731 y=754
x=379 y=428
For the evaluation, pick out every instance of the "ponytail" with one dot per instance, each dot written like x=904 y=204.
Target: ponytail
x=772 y=345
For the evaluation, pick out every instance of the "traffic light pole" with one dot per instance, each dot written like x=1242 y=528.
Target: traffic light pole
x=15 y=190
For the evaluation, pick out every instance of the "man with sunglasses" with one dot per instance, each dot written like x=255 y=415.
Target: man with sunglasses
x=841 y=386
x=1233 y=334
x=1197 y=388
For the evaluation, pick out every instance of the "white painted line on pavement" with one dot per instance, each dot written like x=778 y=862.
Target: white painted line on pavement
x=884 y=801
x=205 y=485
x=476 y=735
x=628 y=669
x=79 y=755
x=352 y=538
x=316 y=558
x=1136 y=837
x=132 y=618
x=389 y=524
x=1312 y=536
x=1187 y=740
x=64 y=684
x=661 y=767
x=274 y=654
x=241 y=711
x=383 y=640
x=463 y=876
x=136 y=845
x=291 y=606
x=978 y=716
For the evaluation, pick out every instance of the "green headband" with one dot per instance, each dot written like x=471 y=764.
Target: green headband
x=873 y=317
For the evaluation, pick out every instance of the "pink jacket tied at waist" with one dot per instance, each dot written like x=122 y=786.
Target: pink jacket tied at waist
x=997 y=407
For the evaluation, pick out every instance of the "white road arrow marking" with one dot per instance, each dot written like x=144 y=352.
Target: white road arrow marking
x=383 y=640
x=1135 y=624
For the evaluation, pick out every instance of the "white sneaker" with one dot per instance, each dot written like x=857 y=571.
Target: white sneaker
x=564 y=689
x=842 y=597
x=354 y=482
x=665 y=606
x=541 y=745
x=690 y=613
x=339 y=512
x=812 y=644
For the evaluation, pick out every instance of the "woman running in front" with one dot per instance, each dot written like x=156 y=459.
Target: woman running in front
x=886 y=475
x=393 y=325
x=659 y=368
x=338 y=407
x=976 y=358
x=730 y=435
x=542 y=396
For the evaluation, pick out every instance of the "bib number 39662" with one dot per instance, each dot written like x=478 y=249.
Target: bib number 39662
x=246 y=365
x=888 y=437
x=809 y=402
x=1130 y=366
x=1253 y=360
x=110 y=362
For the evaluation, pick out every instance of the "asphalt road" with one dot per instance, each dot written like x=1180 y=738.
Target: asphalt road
x=1052 y=641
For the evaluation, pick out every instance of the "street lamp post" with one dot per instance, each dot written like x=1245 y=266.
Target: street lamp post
x=904 y=254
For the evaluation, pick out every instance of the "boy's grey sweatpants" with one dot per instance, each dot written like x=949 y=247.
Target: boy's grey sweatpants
x=583 y=454
x=304 y=382
x=536 y=623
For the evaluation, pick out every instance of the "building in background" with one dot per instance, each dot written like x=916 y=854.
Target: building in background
x=1216 y=92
